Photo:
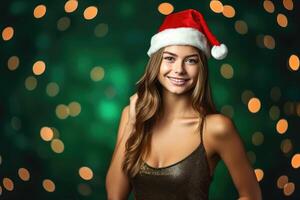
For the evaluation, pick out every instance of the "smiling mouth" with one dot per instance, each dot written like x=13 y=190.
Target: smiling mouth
x=178 y=79
x=177 y=82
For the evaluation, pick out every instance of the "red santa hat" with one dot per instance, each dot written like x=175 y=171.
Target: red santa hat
x=187 y=27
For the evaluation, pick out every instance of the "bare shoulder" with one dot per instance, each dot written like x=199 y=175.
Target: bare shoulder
x=220 y=128
x=220 y=124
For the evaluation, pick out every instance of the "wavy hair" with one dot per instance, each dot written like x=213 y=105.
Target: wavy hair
x=149 y=109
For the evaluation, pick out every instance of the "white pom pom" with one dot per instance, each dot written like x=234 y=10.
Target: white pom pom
x=219 y=52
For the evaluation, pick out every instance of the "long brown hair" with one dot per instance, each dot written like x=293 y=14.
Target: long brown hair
x=148 y=109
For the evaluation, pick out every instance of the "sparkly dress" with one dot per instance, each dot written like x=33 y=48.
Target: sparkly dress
x=188 y=179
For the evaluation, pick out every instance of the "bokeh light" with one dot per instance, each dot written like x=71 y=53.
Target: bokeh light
x=13 y=63
x=165 y=8
x=39 y=11
x=71 y=6
x=39 y=67
x=90 y=12
x=259 y=174
x=282 y=126
x=86 y=173
x=48 y=185
x=24 y=174
x=216 y=6
x=46 y=133
x=254 y=105
x=30 y=83
x=8 y=184
x=7 y=33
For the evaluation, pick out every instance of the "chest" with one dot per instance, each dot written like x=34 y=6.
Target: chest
x=172 y=142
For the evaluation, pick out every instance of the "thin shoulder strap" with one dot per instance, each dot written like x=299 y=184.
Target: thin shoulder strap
x=201 y=130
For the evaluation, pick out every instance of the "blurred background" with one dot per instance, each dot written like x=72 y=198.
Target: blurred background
x=69 y=67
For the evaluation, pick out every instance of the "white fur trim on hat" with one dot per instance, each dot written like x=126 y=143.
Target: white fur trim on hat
x=179 y=36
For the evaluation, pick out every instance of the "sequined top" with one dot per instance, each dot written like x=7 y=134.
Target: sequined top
x=188 y=179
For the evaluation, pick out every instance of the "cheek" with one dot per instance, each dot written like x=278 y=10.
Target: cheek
x=163 y=70
x=193 y=72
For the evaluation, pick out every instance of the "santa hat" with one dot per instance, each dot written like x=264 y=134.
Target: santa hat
x=187 y=27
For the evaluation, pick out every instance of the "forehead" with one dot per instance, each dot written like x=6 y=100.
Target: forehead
x=181 y=50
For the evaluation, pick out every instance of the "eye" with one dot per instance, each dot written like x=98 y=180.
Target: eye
x=169 y=58
x=194 y=61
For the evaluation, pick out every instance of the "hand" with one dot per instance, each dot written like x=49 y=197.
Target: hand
x=132 y=110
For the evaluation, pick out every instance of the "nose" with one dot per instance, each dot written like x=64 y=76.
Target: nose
x=178 y=67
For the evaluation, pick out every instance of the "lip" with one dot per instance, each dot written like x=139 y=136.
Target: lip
x=185 y=79
x=182 y=82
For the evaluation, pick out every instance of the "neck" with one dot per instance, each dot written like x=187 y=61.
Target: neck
x=177 y=106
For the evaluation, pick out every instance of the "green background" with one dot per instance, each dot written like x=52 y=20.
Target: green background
x=89 y=137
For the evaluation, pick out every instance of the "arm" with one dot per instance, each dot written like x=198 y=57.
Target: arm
x=117 y=183
x=230 y=148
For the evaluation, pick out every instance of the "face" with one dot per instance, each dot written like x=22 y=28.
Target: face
x=179 y=68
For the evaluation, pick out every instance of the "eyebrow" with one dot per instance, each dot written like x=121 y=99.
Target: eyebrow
x=176 y=55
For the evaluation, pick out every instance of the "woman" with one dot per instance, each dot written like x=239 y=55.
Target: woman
x=171 y=137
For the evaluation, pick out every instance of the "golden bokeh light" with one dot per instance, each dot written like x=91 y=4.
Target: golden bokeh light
x=71 y=6
x=97 y=73
x=39 y=11
x=8 y=184
x=269 y=41
x=62 y=111
x=24 y=174
x=216 y=6
x=241 y=27
x=90 y=12
x=286 y=145
x=52 y=89
x=48 y=185
x=289 y=188
x=282 y=126
x=281 y=181
x=165 y=8
x=85 y=173
x=226 y=71
x=288 y=4
x=30 y=83
x=294 y=62
x=7 y=33
x=274 y=112
x=269 y=6
x=257 y=138
x=57 y=146
x=254 y=105
x=39 y=67
x=282 y=20
x=63 y=23
x=74 y=108
x=295 y=162
x=259 y=174
x=13 y=63
x=46 y=133
x=228 y=11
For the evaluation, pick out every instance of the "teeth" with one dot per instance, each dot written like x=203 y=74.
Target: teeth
x=177 y=80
